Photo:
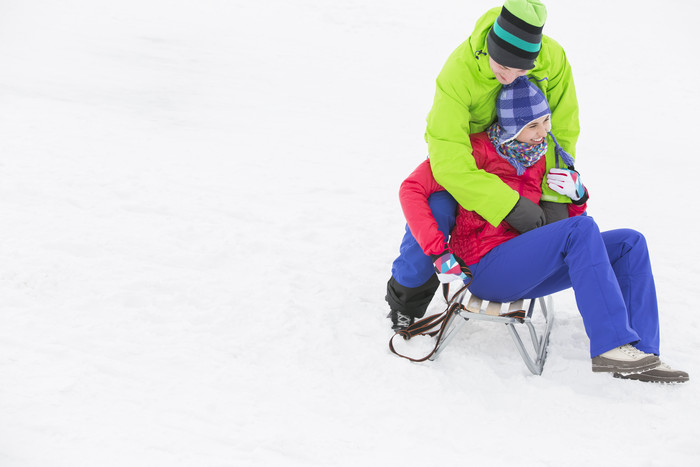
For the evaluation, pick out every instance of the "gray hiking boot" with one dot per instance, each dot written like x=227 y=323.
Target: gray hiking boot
x=625 y=359
x=661 y=374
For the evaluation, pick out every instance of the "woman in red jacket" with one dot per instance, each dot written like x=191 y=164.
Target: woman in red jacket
x=610 y=272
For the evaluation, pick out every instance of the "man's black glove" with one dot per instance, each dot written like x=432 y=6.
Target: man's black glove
x=554 y=211
x=525 y=216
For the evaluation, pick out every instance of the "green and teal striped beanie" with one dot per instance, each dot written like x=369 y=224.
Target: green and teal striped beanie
x=516 y=37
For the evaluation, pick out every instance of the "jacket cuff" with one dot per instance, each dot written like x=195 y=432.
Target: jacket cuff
x=582 y=199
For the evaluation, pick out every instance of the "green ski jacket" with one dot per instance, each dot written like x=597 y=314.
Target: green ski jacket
x=465 y=103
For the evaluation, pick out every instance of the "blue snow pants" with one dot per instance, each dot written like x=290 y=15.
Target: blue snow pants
x=610 y=273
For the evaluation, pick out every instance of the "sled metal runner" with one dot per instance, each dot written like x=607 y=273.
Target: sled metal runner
x=515 y=317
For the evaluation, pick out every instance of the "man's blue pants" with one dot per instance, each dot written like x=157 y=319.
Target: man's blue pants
x=414 y=268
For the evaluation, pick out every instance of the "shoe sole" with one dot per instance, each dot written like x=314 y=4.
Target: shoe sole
x=606 y=365
x=651 y=378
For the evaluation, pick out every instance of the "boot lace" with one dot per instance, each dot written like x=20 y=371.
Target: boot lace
x=403 y=320
x=632 y=351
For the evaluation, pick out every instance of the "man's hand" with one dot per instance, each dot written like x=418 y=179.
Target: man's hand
x=526 y=216
x=554 y=212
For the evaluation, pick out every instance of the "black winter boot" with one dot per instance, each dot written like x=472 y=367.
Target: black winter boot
x=399 y=321
x=411 y=301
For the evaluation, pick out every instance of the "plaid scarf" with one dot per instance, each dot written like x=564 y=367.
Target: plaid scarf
x=520 y=155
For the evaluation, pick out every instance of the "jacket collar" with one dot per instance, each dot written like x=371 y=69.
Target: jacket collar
x=477 y=41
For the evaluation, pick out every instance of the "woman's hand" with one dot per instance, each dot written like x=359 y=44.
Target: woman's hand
x=566 y=182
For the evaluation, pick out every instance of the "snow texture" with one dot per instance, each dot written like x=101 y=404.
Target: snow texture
x=199 y=211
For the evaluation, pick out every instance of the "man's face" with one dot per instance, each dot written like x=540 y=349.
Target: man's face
x=504 y=74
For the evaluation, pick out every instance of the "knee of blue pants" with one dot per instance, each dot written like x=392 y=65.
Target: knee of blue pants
x=413 y=268
x=583 y=222
x=444 y=209
x=628 y=253
x=629 y=237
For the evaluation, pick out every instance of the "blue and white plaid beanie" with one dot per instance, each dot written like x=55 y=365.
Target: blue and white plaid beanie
x=519 y=103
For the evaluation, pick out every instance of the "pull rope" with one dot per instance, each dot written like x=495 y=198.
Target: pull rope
x=427 y=326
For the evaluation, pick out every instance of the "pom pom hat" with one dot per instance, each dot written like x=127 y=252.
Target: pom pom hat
x=516 y=37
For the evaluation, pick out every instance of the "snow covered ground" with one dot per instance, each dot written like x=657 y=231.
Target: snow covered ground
x=198 y=201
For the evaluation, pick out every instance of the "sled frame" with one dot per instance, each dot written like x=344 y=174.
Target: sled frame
x=515 y=317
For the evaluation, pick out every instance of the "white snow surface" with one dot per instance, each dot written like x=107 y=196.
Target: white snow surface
x=199 y=212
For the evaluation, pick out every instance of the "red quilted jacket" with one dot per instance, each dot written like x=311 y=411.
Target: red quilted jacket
x=472 y=237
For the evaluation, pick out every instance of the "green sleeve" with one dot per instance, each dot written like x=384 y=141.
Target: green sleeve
x=454 y=115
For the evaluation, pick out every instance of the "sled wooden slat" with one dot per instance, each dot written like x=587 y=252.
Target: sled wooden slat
x=474 y=304
x=493 y=308
x=517 y=305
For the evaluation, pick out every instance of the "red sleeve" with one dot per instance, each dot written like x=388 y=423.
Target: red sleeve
x=413 y=194
x=479 y=149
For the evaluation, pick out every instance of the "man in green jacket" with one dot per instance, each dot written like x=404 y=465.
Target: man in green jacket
x=506 y=43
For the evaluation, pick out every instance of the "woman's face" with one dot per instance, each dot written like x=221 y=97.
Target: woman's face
x=504 y=74
x=536 y=131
